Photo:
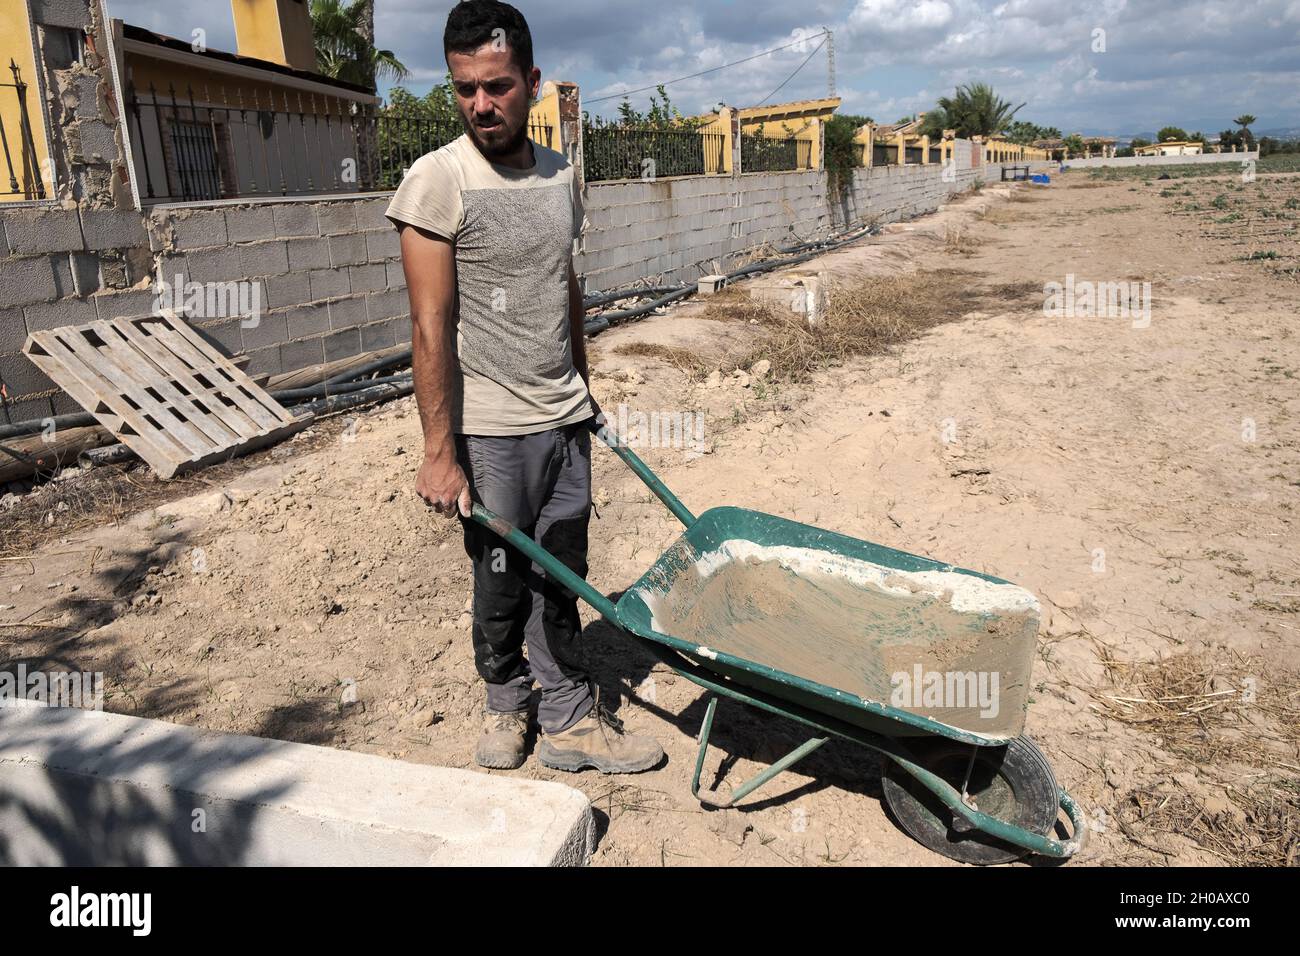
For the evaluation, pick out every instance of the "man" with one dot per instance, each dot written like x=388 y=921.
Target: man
x=487 y=225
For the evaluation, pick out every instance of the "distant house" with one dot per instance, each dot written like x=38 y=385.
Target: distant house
x=206 y=124
x=1171 y=147
x=1093 y=146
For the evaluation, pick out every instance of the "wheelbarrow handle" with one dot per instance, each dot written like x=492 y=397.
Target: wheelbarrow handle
x=606 y=433
x=553 y=566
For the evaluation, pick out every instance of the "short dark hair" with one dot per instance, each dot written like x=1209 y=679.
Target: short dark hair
x=472 y=23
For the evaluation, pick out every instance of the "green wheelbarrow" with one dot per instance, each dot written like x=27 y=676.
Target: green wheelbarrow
x=922 y=662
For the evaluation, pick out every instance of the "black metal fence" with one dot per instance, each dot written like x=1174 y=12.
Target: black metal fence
x=617 y=152
x=765 y=154
x=22 y=169
x=194 y=145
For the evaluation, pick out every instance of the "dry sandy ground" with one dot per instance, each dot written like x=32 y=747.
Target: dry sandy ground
x=1100 y=465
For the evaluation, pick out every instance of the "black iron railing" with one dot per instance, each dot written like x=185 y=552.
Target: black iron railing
x=618 y=152
x=765 y=154
x=22 y=169
x=203 y=145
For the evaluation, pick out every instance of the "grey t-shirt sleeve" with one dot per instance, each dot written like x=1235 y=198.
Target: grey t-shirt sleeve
x=429 y=196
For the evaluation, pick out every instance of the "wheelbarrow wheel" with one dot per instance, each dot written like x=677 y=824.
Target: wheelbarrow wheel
x=1013 y=783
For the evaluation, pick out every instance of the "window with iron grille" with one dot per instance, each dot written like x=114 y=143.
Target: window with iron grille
x=195 y=156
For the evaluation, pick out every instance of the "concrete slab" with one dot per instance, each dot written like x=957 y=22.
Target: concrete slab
x=81 y=787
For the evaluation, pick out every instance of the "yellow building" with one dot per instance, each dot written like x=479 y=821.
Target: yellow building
x=25 y=169
x=205 y=124
x=1171 y=147
x=801 y=121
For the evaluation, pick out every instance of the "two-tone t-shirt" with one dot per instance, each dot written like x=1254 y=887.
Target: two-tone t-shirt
x=513 y=231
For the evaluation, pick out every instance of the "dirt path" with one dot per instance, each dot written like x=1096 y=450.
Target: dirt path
x=1099 y=465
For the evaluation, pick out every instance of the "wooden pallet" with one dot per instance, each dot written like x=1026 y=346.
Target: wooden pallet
x=164 y=391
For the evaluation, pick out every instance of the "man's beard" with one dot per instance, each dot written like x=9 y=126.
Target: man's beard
x=495 y=150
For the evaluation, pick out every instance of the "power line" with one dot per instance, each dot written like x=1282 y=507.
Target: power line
x=796 y=71
x=652 y=86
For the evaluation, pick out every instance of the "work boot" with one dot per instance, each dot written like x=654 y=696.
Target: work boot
x=502 y=745
x=598 y=740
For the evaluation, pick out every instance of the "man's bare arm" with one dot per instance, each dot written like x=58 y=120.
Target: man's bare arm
x=429 y=263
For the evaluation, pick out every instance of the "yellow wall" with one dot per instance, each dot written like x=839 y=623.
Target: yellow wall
x=546 y=112
x=219 y=89
x=275 y=30
x=16 y=43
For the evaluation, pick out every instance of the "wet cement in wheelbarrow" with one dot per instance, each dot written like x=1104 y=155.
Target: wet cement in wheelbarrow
x=941 y=644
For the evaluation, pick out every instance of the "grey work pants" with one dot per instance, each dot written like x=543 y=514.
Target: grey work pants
x=540 y=483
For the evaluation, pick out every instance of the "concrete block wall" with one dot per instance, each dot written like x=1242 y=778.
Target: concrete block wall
x=673 y=229
x=1099 y=161
x=64 y=266
x=329 y=280
x=328 y=272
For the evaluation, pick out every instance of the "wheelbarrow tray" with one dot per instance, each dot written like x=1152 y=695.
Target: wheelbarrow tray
x=881 y=639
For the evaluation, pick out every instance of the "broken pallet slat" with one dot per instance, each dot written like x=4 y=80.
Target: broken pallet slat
x=161 y=389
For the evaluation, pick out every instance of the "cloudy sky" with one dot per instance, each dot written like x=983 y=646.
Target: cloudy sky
x=1095 y=66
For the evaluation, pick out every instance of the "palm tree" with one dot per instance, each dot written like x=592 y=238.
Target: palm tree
x=975 y=110
x=1244 y=121
x=935 y=122
x=345 y=46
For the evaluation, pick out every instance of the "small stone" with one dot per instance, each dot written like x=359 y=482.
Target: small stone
x=760 y=368
x=730 y=825
x=424 y=717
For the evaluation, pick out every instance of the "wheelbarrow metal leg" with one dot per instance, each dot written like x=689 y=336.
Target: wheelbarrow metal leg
x=717 y=800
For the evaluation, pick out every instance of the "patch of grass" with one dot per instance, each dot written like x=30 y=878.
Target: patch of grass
x=1216 y=711
x=866 y=318
x=1261 y=833
x=685 y=359
x=1230 y=165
